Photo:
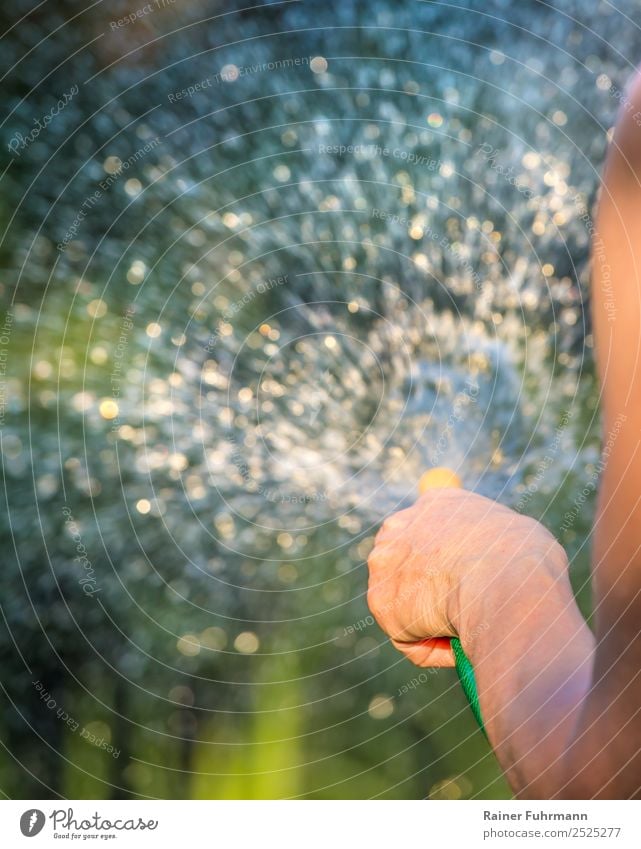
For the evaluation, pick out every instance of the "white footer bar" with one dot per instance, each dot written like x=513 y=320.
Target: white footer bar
x=319 y=825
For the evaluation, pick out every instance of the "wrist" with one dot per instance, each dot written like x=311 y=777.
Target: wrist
x=491 y=604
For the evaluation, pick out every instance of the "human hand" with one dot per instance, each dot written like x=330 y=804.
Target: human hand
x=443 y=568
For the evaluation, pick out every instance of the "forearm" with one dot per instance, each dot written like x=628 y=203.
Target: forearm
x=532 y=655
x=561 y=710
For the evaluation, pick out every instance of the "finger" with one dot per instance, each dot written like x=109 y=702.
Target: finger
x=386 y=556
x=395 y=524
x=435 y=652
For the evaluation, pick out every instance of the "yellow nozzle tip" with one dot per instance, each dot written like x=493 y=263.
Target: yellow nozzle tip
x=439 y=478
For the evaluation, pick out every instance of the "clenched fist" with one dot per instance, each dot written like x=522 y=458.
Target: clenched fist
x=446 y=566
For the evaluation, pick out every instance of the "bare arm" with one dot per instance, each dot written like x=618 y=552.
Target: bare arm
x=580 y=733
x=610 y=724
x=561 y=708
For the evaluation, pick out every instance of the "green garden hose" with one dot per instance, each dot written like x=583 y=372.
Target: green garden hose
x=468 y=681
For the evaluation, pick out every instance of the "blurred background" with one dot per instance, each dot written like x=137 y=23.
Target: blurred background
x=262 y=266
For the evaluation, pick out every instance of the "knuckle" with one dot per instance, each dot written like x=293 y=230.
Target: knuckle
x=379 y=558
x=387 y=555
x=376 y=602
x=396 y=523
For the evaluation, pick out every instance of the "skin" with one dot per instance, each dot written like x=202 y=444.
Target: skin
x=561 y=705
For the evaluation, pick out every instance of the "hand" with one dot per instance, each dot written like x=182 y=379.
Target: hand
x=444 y=567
